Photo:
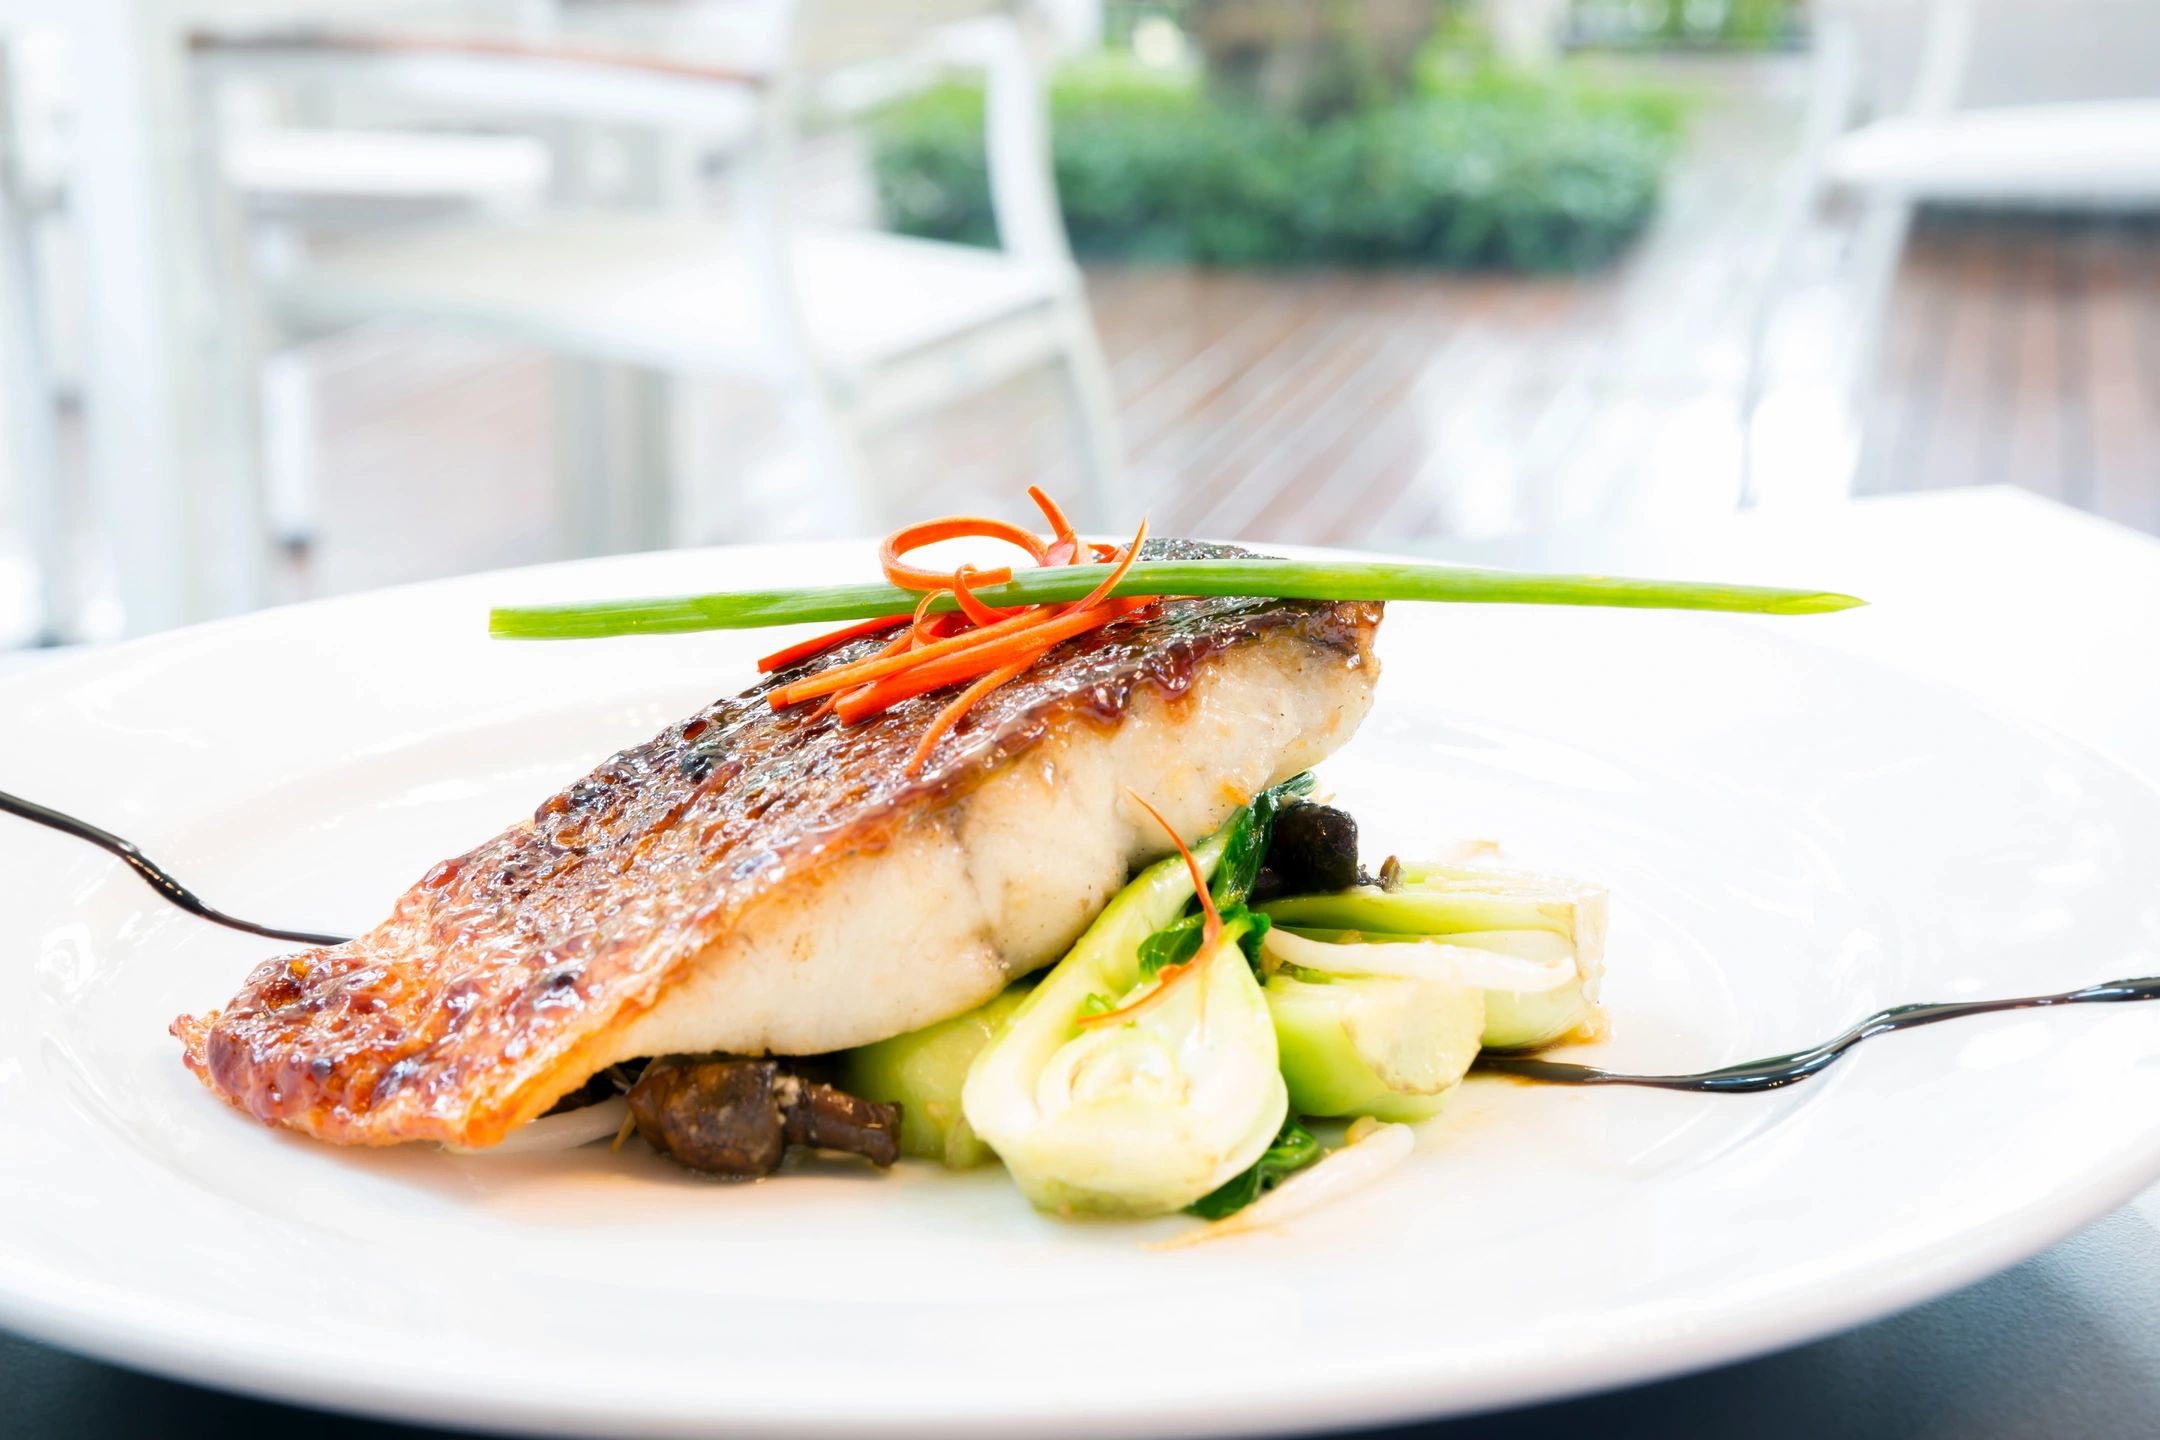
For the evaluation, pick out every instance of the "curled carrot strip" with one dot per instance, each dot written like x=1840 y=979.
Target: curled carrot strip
x=952 y=527
x=841 y=677
x=952 y=713
x=977 y=645
x=963 y=582
x=1210 y=935
x=818 y=645
x=875 y=699
x=1213 y=928
x=919 y=628
x=1110 y=582
x=1065 y=547
x=962 y=664
x=895 y=646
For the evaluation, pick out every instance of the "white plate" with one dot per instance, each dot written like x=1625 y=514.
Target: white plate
x=1794 y=839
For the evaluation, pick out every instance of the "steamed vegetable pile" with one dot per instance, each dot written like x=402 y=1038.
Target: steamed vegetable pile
x=1169 y=1061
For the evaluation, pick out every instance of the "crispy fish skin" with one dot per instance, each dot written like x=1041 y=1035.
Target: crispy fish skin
x=724 y=875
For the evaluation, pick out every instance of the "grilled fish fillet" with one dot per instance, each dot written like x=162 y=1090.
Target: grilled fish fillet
x=752 y=882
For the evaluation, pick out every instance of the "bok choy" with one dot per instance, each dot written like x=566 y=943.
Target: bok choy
x=1141 y=1074
x=1533 y=944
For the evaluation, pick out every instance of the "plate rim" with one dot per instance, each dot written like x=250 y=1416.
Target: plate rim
x=123 y=1331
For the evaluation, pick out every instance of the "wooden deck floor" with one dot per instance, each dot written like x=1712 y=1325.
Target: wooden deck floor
x=1354 y=409
x=1347 y=409
x=2025 y=352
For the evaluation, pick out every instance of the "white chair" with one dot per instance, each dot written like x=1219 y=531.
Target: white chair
x=27 y=399
x=289 y=174
x=1934 y=146
x=296 y=183
x=853 y=328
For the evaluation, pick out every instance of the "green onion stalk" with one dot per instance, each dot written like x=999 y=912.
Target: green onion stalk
x=1276 y=579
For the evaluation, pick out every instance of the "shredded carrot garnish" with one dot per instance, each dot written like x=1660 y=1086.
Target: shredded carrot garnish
x=1110 y=582
x=1028 y=644
x=818 y=645
x=953 y=527
x=874 y=699
x=978 y=645
x=1060 y=527
x=919 y=629
x=842 y=677
x=1212 y=928
x=1210 y=931
x=964 y=580
x=1065 y=547
x=957 y=707
x=893 y=646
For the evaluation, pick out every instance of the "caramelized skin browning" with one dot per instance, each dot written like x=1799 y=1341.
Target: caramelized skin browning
x=476 y=1003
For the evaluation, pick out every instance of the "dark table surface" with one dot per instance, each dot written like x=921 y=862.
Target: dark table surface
x=2067 y=1344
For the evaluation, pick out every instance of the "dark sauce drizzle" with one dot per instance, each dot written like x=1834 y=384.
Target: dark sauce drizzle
x=155 y=875
x=1753 y=1075
x=1780 y=1070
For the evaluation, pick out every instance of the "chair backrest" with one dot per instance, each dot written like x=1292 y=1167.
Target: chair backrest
x=2013 y=52
x=676 y=66
x=828 y=35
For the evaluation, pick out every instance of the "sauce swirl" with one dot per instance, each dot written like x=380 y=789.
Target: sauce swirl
x=155 y=875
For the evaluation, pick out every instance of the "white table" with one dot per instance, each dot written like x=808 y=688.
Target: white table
x=169 y=446
x=2024 y=605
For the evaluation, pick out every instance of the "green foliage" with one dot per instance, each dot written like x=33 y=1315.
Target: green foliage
x=1478 y=167
x=1736 y=24
x=1293 y=1150
x=1179 y=941
x=1245 y=843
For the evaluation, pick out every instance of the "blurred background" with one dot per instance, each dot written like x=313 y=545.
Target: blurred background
x=299 y=297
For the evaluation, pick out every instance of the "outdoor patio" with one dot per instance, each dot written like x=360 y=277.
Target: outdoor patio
x=1373 y=408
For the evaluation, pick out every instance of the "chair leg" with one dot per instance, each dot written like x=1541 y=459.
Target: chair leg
x=26 y=413
x=610 y=457
x=663 y=174
x=1878 y=248
x=835 y=434
x=582 y=501
x=1031 y=228
x=1830 y=101
x=1755 y=373
x=1087 y=377
x=290 y=478
x=26 y=397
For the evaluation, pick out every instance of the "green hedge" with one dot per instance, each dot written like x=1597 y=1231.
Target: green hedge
x=1481 y=169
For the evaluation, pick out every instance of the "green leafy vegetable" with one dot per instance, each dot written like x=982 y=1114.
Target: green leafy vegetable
x=1145 y=1111
x=1282 y=579
x=1246 y=844
x=1293 y=1150
x=1390 y=1048
x=1174 y=944
x=1535 y=944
